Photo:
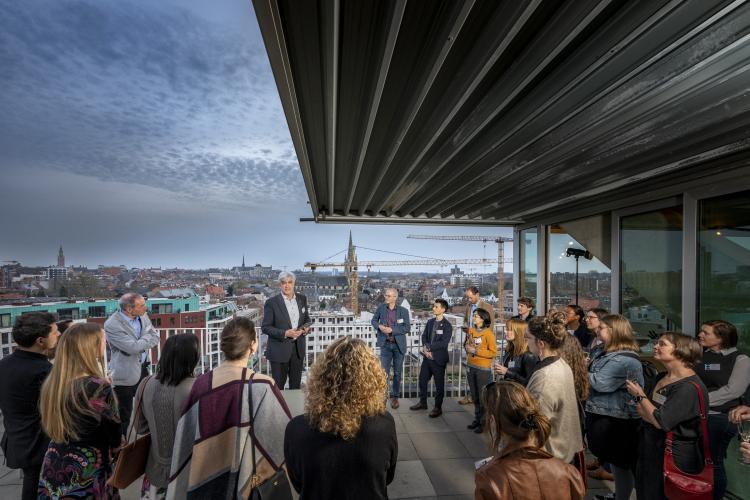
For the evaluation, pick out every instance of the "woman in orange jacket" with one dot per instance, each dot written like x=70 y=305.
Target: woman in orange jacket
x=480 y=351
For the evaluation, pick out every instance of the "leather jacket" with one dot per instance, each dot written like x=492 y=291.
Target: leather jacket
x=511 y=475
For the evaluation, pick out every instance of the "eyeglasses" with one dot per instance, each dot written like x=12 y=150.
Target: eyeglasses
x=592 y=316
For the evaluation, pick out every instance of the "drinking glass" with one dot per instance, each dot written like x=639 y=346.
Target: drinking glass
x=743 y=434
x=632 y=375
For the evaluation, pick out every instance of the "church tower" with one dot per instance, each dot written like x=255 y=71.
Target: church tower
x=60 y=258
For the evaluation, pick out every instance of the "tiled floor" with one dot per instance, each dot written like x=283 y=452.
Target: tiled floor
x=436 y=456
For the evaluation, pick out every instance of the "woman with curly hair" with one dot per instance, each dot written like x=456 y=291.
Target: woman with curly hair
x=553 y=386
x=344 y=445
x=520 y=468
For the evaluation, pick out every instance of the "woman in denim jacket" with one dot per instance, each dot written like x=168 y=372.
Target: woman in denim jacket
x=611 y=418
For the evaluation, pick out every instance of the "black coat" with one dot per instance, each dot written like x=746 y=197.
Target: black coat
x=276 y=321
x=439 y=347
x=21 y=377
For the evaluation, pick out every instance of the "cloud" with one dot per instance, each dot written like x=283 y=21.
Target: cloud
x=143 y=93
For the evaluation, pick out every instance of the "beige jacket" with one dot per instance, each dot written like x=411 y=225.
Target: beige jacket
x=553 y=387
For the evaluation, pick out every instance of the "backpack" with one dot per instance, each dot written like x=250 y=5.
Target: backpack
x=650 y=373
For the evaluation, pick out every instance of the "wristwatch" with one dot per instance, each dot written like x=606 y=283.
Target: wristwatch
x=638 y=399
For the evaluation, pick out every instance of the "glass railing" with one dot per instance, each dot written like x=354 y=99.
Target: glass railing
x=211 y=357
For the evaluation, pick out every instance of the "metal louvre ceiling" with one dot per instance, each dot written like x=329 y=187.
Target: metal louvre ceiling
x=497 y=112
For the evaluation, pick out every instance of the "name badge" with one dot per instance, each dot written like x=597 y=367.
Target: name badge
x=478 y=340
x=438 y=332
x=712 y=367
x=512 y=364
x=400 y=320
x=660 y=398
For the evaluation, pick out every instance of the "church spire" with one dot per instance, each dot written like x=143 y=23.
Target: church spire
x=243 y=261
x=60 y=258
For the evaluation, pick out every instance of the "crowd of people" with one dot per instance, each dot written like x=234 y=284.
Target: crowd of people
x=564 y=382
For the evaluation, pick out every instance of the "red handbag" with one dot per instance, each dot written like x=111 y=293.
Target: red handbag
x=679 y=485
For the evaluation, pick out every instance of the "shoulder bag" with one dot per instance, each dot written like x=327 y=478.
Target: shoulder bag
x=275 y=487
x=132 y=458
x=680 y=485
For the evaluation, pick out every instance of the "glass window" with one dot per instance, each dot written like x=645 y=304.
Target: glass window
x=651 y=270
x=579 y=254
x=528 y=266
x=68 y=313
x=724 y=262
x=97 y=311
x=4 y=320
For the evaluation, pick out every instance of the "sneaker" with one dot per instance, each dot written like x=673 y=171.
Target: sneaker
x=601 y=475
x=436 y=412
x=478 y=430
x=466 y=400
x=419 y=406
x=473 y=425
x=394 y=403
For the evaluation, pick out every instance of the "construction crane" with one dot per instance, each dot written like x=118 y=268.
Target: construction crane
x=352 y=264
x=500 y=240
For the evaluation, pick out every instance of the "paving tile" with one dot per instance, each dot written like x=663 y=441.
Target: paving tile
x=410 y=481
x=406 y=449
x=478 y=445
x=422 y=423
x=458 y=420
x=451 y=405
x=400 y=427
x=452 y=476
x=435 y=445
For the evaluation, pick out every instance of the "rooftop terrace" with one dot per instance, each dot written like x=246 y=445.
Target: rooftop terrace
x=435 y=457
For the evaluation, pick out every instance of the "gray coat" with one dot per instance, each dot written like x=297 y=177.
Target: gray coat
x=125 y=364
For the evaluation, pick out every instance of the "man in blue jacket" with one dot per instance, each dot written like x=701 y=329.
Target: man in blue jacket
x=391 y=324
x=435 y=339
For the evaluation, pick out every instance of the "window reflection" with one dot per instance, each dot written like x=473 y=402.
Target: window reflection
x=724 y=262
x=651 y=270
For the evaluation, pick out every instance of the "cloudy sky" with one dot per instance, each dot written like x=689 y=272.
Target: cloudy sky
x=151 y=134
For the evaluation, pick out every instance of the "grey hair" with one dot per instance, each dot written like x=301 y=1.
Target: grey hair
x=128 y=300
x=284 y=275
x=395 y=290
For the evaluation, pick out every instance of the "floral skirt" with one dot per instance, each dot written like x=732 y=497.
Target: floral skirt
x=74 y=471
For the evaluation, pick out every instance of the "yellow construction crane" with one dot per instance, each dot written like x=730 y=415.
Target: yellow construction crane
x=500 y=240
x=351 y=266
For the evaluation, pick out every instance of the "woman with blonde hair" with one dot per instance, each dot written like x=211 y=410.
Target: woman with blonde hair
x=344 y=445
x=518 y=362
x=521 y=469
x=612 y=419
x=79 y=414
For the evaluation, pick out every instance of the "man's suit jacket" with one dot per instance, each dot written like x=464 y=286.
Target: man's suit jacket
x=400 y=329
x=276 y=321
x=439 y=346
x=126 y=348
x=21 y=376
x=483 y=305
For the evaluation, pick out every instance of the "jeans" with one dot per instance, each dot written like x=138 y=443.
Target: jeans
x=477 y=380
x=720 y=434
x=391 y=355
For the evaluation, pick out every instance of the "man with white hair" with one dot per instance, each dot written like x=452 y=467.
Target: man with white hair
x=286 y=321
x=391 y=324
x=130 y=336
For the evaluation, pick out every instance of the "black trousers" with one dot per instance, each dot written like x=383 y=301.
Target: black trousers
x=125 y=395
x=31 y=482
x=477 y=380
x=291 y=369
x=428 y=370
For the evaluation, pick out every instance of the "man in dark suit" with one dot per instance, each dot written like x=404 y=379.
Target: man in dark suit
x=286 y=321
x=21 y=376
x=435 y=339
